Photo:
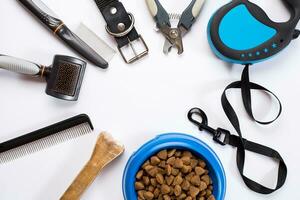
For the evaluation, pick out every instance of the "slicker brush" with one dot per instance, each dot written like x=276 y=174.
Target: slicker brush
x=64 y=77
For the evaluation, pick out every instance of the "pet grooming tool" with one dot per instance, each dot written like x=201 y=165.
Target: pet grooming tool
x=105 y=151
x=64 y=77
x=120 y=25
x=241 y=32
x=57 y=26
x=95 y=42
x=173 y=36
x=46 y=137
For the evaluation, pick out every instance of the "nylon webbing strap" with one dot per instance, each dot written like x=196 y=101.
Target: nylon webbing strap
x=118 y=20
x=242 y=144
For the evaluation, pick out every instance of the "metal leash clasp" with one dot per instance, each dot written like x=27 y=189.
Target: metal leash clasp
x=220 y=135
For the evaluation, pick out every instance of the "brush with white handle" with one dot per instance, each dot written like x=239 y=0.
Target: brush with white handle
x=64 y=76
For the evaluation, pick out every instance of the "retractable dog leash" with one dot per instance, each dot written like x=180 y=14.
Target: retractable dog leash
x=241 y=32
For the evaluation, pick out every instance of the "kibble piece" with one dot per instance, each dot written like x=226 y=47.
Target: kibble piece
x=171 y=153
x=201 y=198
x=202 y=164
x=171 y=161
x=178 y=154
x=175 y=172
x=187 y=154
x=208 y=193
x=206 y=179
x=147 y=168
x=146 y=164
x=178 y=163
x=151 y=188
x=146 y=180
x=156 y=192
x=168 y=170
x=141 y=194
x=182 y=196
x=163 y=154
x=153 y=171
x=148 y=195
x=194 y=163
x=194 y=191
x=139 y=186
x=177 y=190
x=160 y=179
x=165 y=189
x=199 y=171
x=167 y=197
x=211 y=197
x=185 y=185
x=186 y=160
x=178 y=180
x=153 y=182
x=162 y=164
x=195 y=180
x=171 y=191
x=189 y=198
x=203 y=193
x=170 y=179
x=202 y=186
x=189 y=176
x=139 y=175
x=161 y=171
x=154 y=160
x=186 y=169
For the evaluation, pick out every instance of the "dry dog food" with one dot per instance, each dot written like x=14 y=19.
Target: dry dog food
x=174 y=174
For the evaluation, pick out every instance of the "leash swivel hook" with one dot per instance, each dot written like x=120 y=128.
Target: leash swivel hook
x=220 y=135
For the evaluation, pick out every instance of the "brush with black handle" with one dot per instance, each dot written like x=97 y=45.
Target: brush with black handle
x=57 y=26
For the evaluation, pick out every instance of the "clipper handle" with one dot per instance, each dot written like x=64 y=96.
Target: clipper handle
x=19 y=65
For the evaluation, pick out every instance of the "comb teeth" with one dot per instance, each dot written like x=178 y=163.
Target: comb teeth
x=33 y=142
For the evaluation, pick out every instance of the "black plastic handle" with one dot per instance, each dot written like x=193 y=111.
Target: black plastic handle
x=80 y=46
x=50 y=21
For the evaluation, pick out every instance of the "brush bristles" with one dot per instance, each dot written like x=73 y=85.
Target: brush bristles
x=46 y=142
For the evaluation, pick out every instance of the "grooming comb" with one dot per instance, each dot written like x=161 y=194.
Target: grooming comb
x=45 y=137
x=64 y=77
x=57 y=26
x=105 y=151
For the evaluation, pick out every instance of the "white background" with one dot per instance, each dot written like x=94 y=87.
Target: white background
x=137 y=102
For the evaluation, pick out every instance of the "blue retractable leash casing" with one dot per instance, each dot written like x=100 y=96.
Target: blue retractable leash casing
x=241 y=32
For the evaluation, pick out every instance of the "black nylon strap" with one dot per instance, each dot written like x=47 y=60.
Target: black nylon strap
x=242 y=144
x=113 y=20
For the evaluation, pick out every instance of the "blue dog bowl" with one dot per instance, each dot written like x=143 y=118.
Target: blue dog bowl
x=174 y=141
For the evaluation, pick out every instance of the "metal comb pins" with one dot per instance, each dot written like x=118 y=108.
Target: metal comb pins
x=46 y=137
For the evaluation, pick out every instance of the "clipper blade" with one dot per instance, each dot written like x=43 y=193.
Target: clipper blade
x=45 y=138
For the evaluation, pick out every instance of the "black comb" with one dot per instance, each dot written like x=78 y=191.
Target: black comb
x=45 y=137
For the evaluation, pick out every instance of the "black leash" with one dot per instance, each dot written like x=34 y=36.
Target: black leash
x=224 y=137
